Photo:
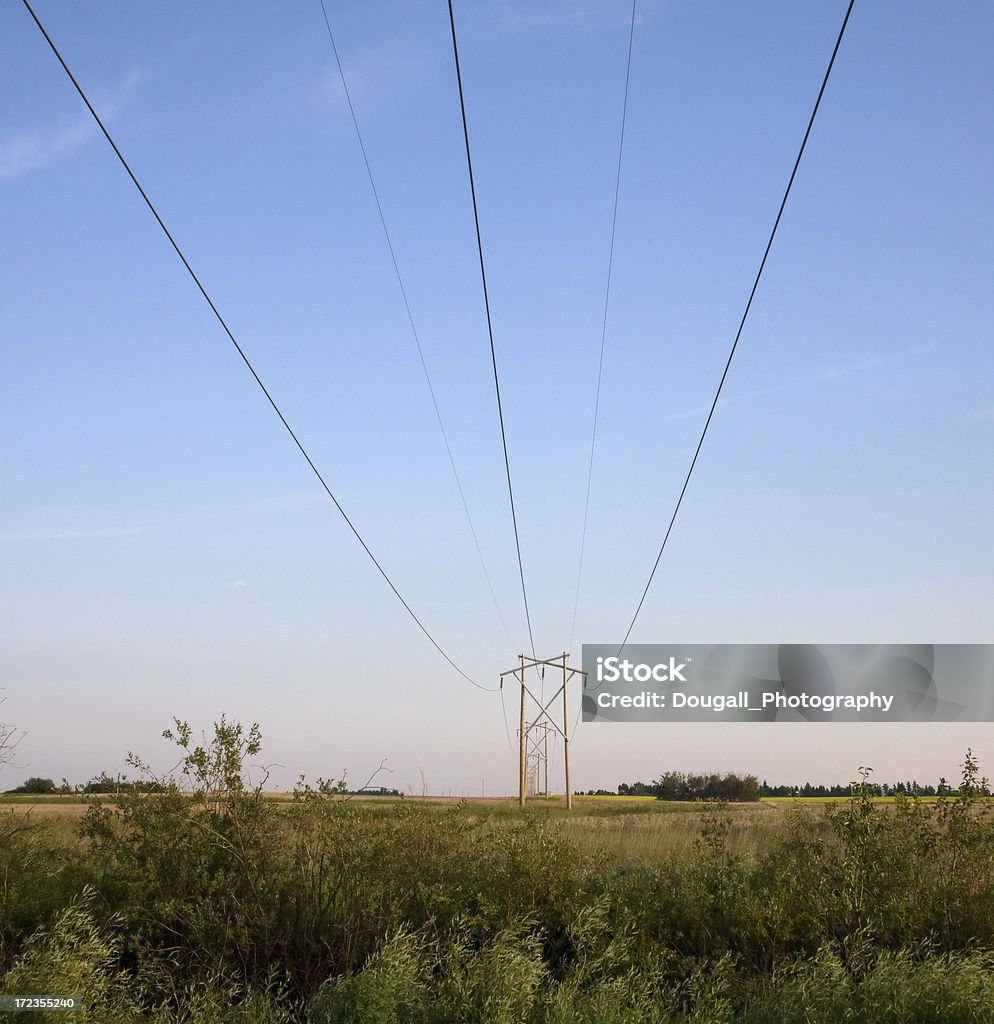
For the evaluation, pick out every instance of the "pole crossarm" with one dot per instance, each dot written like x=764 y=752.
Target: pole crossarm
x=534 y=662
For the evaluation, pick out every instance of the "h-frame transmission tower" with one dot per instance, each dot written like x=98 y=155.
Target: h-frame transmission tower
x=533 y=736
x=538 y=758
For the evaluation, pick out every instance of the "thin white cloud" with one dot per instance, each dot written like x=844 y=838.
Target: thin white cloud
x=831 y=374
x=373 y=76
x=30 y=149
x=278 y=502
x=856 y=367
x=859 y=366
x=527 y=14
x=290 y=501
x=726 y=399
x=59 y=534
x=25 y=151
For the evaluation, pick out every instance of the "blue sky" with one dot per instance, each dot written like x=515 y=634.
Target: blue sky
x=166 y=551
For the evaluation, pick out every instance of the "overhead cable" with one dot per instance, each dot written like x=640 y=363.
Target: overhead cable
x=410 y=320
x=490 y=328
x=241 y=352
x=607 y=301
x=745 y=314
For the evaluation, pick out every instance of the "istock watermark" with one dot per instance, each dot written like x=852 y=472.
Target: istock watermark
x=789 y=683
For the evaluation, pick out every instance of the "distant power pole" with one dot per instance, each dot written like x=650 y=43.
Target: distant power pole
x=538 y=758
x=533 y=737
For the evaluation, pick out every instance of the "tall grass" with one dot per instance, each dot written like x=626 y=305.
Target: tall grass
x=205 y=901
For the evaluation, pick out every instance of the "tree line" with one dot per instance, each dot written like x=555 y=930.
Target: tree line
x=736 y=788
x=102 y=783
x=672 y=785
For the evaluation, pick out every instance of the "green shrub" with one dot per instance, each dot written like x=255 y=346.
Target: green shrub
x=389 y=990
x=895 y=988
x=74 y=958
x=38 y=877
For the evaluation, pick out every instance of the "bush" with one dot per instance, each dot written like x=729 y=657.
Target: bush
x=74 y=958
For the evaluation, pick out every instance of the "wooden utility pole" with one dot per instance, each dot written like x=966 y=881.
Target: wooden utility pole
x=543 y=719
x=522 y=751
x=569 y=791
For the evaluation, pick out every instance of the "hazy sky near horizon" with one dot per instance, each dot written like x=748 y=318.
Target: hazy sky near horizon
x=165 y=550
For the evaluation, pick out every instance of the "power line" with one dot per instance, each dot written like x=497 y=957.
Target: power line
x=748 y=306
x=241 y=353
x=490 y=328
x=607 y=301
x=503 y=711
x=410 y=319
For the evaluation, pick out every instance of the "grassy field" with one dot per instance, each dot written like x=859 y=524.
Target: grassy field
x=628 y=830
x=216 y=903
